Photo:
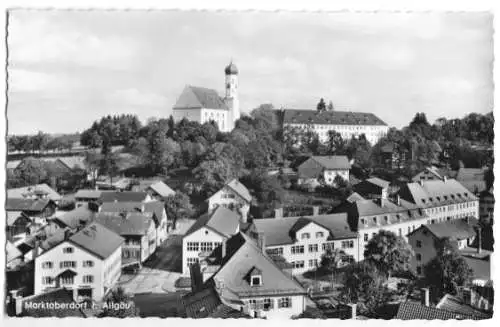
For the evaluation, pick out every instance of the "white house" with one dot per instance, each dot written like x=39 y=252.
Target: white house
x=207 y=234
x=302 y=241
x=88 y=262
x=204 y=105
x=235 y=196
x=324 y=169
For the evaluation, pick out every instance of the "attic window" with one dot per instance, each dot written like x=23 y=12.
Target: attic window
x=386 y=218
x=430 y=199
x=465 y=194
x=445 y=197
x=452 y=196
x=423 y=200
x=459 y=195
x=375 y=220
x=438 y=198
x=256 y=280
x=363 y=221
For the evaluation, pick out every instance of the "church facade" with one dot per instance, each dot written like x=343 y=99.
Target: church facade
x=204 y=105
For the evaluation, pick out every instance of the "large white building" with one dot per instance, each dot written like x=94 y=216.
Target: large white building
x=88 y=262
x=204 y=105
x=301 y=241
x=346 y=123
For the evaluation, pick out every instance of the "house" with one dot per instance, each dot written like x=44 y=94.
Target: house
x=154 y=208
x=247 y=277
x=18 y=224
x=301 y=241
x=441 y=200
x=88 y=262
x=394 y=156
x=370 y=216
x=235 y=196
x=39 y=208
x=472 y=179
x=77 y=164
x=74 y=219
x=124 y=196
x=204 y=105
x=424 y=240
x=156 y=189
x=486 y=206
x=138 y=231
x=208 y=233
x=348 y=124
x=318 y=169
x=372 y=188
x=431 y=173
x=84 y=197
x=39 y=191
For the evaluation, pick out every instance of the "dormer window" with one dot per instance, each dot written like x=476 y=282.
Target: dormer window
x=255 y=277
x=363 y=222
x=256 y=281
x=305 y=236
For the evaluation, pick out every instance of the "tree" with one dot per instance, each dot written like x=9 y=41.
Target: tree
x=266 y=189
x=335 y=144
x=178 y=206
x=330 y=106
x=447 y=271
x=321 y=105
x=388 y=252
x=331 y=258
x=118 y=296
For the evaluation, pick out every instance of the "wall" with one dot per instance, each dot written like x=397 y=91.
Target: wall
x=221 y=198
x=202 y=235
x=427 y=250
x=297 y=307
x=112 y=268
x=190 y=114
x=455 y=211
x=220 y=116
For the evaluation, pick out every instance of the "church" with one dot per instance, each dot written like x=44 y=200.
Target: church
x=203 y=105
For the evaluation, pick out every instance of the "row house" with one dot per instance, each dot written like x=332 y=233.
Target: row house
x=323 y=169
x=301 y=241
x=248 y=280
x=235 y=196
x=347 y=123
x=88 y=262
x=138 y=231
x=441 y=200
x=208 y=233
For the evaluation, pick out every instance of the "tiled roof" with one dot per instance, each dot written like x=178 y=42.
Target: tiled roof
x=333 y=162
x=221 y=220
x=26 y=204
x=244 y=254
x=162 y=189
x=354 y=197
x=457 y=229
x=239 y=188
x=193 y=97
x=98 y=240
x=73 y=162
x=155 y=207
x=12 y=216
x=469 y=174
x=73 y=218
x=125 y=196
x=434 y=193
x=207 y=304
x=296 y=116
x=281 y=231
x=414 y=311
x=378 y=182
x=125 y=224
x=481 y=268
x=13 y=164
x=22 y=192
x=454 y=304
x=88 y=194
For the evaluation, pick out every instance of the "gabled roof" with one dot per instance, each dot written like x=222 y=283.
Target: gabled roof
x=23 y=192
x=240 y=189
x=333 y=162
x=414 y=311
x=162 y=189
x=125 y=224
x=281 y=231
x=12 y=252
x=457 y=229
x=125 y=196
x=378 y=182
x=354 y=197
x=12 y=216
x=193 y=97
x=481 y=268
x=221 y=220
x=470 y=174
x=73 y=162
x=301 y=116
x=13 y=164
x=26 y=204
x=157 y=208
x=98 y=240
x=88 y=194
x=244 y=254
x=455 y=304
x=73 y=218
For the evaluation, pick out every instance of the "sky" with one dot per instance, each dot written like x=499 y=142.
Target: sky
x=67 y=69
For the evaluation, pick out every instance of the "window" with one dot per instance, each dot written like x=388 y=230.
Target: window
x=319 y=234
x=193 y=246
x=419 y=244
x=305 y=236
x=400 y=232
x=298 y=264
x=284 y=302
x=67 y=264
x=276 y=251
x=191 y=261
x=419 y=270
x=67 y=280
x=87 y=279
x=68 y=250
x=328 y=246
x=47 y=265
x=297 y=249
x=313 y=263
x=366 y=237
x=46 y=280
x=418 y=257
x=347 y=244
x=268 y=304
x=255 y=280
x=313 y=247
x=88 y=263
x=206 y=246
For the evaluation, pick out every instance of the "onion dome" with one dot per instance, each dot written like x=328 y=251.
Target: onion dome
x=231 y=69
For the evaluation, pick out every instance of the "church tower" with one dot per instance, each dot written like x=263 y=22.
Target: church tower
x=231 y=94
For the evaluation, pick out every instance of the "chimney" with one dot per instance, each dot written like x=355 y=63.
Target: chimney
x=278 y=213
x=424 y=296
x=353 y=310
x=142 y=208
x=398 y=200
x=67 y=234
x=315 y=211
x=196 y=277
x=244 y=213
x=261 y=241
x=75 y=294
x=17 y=301
x=479 y=240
